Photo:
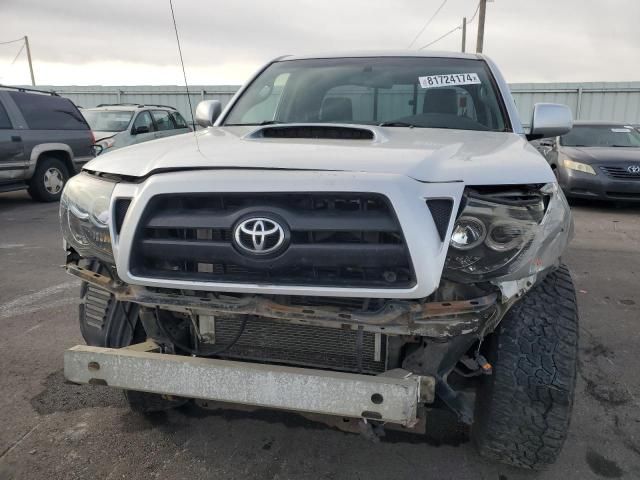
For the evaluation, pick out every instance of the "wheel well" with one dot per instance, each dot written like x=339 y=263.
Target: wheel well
x=61 y=155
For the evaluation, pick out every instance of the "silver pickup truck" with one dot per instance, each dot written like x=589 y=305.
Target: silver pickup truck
x=44 y=140
x=365 y=236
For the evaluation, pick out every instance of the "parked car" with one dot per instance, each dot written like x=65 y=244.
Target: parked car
x=120 y=125
x=365 y=236
x=44 y=140
x=599 y=160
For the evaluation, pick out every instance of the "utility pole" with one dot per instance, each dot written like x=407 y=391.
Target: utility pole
x=464 y=34
x=480 y=41
x=26 y=43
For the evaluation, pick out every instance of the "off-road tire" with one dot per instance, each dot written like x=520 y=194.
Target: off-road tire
x=37 y=189
x=143 y=402
x=523 y=409
x=104 y=323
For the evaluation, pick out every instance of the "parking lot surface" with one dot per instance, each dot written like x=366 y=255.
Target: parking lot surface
x=50 y=429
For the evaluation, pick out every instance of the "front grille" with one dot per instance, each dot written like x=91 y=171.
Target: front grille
x=302 y=345
x=620 y=173
x=336 y=239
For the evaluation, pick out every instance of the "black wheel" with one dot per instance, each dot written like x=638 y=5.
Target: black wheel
x=143 y=402
x=523 y=410
x=48 y=180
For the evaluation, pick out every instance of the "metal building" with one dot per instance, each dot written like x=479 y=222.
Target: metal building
x=618 y=101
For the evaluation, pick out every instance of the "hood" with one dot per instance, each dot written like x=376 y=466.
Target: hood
x=602 y=154
x=102 y=135
x=428 y=155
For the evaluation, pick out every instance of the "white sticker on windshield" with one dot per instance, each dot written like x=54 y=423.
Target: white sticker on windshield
x=621 y=130
x=450 y=79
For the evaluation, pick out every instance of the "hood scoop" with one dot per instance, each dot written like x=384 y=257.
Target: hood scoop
x=314 y=131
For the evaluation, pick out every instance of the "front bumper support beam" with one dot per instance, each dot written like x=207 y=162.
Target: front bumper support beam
x=391 y=397
x=440 y=320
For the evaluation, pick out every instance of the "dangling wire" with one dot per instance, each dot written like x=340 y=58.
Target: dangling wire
x=427 y=23
x=18 y=54
x=13 y=41
x=459 y=27
x=184 y=74
x=200 y=353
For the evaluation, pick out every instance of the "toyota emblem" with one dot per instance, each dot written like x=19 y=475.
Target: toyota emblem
x=259 y=235
x=634 y=169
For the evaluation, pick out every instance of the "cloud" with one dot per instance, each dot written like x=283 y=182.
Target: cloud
x=97 y=42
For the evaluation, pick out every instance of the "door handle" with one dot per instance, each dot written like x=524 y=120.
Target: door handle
x=16 y=138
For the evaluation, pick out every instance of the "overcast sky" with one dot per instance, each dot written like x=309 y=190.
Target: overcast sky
x=117 y=42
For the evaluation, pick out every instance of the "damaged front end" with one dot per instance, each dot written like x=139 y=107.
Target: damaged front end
x=425 y=337
x=502 y=243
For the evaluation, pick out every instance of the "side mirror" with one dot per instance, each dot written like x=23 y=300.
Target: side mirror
x=207 y=112
x=550 y=120
x=140 y=129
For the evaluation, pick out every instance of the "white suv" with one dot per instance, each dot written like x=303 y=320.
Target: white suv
x=124 y=124
x=369 y=236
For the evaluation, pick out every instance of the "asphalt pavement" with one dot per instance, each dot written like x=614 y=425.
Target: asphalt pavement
x=53 y=430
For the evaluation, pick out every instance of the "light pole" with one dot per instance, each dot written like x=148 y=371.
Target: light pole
x=464 y=34
x=26 y=43
x=483 y=11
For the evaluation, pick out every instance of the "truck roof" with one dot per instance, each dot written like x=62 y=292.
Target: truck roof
x=385 y=53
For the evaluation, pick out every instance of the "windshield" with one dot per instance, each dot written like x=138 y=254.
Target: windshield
x=108 y=120
x=391 y=91
x=601 y=136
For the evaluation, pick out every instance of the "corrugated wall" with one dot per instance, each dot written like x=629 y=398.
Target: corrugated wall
x=619 y=101
x=616 y=101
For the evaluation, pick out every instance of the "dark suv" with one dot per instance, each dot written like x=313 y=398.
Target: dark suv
x=44 y=140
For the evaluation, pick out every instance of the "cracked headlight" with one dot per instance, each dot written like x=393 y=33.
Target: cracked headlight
x=508 y=233
x=84 y=216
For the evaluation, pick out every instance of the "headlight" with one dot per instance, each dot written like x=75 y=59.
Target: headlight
x=579 y=167
x=107 y=143
x=468 y=233
x=500 y=233
x=103 y=145
x=84 y=216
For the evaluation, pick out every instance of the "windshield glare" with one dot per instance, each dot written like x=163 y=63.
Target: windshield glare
x=601 y=136
x=396 y=91
x=108 y=121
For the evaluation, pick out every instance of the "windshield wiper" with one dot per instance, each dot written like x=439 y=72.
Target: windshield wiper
x=397 y=124
x=621 y=146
